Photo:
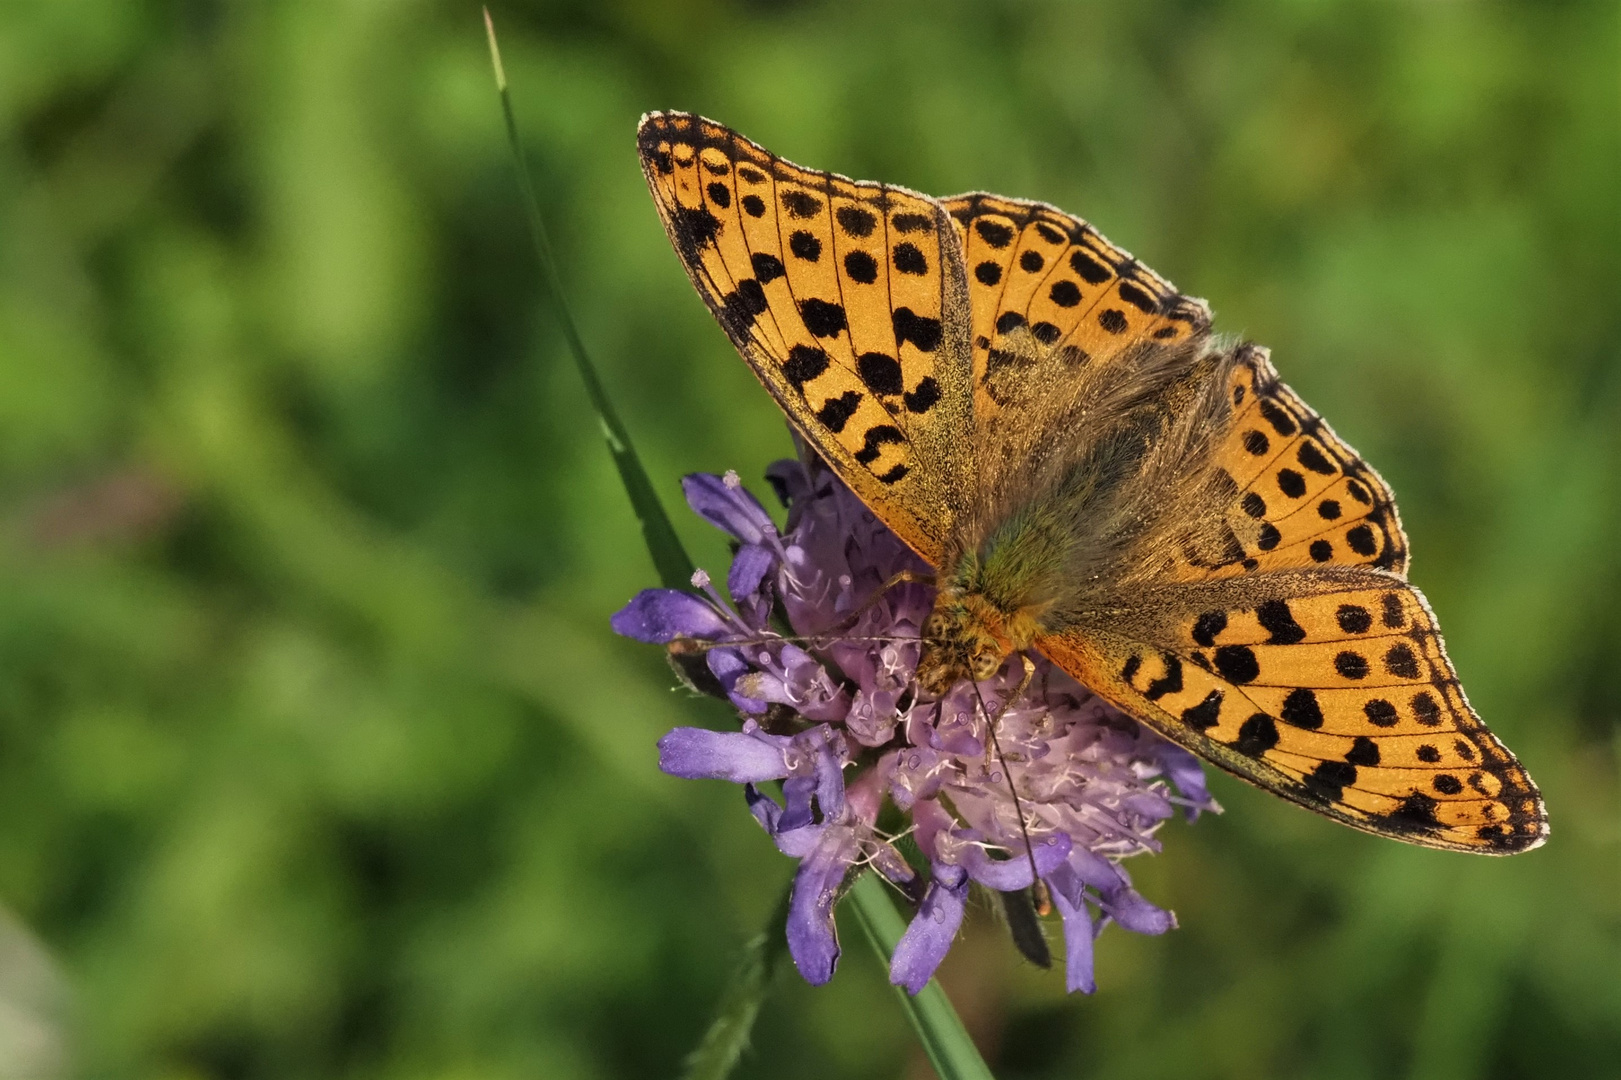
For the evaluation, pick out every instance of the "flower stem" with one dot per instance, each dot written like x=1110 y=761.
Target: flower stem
x=728 y=1034
x=946 y=1042
x=670 y=559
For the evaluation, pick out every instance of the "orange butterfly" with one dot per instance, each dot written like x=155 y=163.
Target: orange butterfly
x=1052 y=426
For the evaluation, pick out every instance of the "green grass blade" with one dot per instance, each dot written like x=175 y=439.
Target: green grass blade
x=951 y=1052
x=728 y=1034
x=669 y=557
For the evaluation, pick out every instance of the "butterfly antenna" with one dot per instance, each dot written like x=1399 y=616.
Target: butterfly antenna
x=996 y=744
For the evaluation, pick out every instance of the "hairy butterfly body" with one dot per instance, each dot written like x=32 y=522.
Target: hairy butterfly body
x=1052 y=426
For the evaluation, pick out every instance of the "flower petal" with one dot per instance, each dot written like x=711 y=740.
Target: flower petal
x=661 y=615
x=1185 y=771
x=727 y=507
x=731 y=668
x=1128 y=908
x=1079 y=930
x=752 y=569
x=746 y=756
x=929 y=935
x=1009 y=875
x=813 y=941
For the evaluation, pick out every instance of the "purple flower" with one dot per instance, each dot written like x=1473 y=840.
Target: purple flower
x=820 y=661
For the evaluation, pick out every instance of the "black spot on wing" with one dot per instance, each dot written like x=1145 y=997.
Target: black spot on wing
x=1329 y=780
x=1237 y=664
x=861 y=267
x=822 y=318
x=1351 y=665
x=804 y=245
x=741 y=306
x=1169 y=683
x=1353 y=619
x=1009 y=321
x=1400 y=661
x=909 y=260
x=1139 y=299
x=1208 y=626
x=1364 y=752
x=1301 y=709
x=695 y=227
x=800 y=204
x=855 y=221
x=924 y=397
x=988 y=273
x=804 y=363
x=1206 y=714
x=881 y=373
x=1415 y=814
x=1313 y=459
x=920 y=330
x=1113 y=321
x=1257 y=735
x=875 y=439
x=1276 y=618
x=1091 y=271
x=767 y=268
x=994 y=233
x=911 y=223
x=1381 y=713
x=836 y=412
x=1281 y=421
x=1425 y=710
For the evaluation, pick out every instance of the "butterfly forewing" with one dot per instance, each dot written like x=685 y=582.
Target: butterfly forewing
x=845 y=297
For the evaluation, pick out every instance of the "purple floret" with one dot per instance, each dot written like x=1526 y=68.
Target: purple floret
x=836 y=716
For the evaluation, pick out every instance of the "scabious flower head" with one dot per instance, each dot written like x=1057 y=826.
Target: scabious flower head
x=833 y=711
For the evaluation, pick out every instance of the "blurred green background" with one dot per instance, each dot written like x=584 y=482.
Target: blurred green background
x=317 y=758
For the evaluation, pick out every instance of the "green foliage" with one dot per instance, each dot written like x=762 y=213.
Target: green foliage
x=316 y=755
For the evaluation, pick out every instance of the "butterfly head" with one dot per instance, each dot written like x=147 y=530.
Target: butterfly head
x=963 y=638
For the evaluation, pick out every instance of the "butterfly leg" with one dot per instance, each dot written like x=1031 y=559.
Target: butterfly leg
x=996 y=746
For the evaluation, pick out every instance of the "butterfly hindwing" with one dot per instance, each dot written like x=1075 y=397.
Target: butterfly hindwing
x=1340 y=698
x=846 y=297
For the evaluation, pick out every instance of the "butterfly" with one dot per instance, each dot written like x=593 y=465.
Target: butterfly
x=1095 y=476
